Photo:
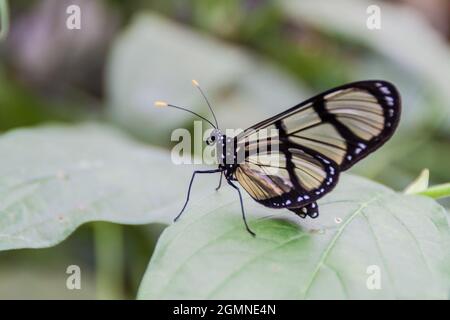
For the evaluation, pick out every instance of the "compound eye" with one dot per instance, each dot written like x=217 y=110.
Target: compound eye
x=210 y=140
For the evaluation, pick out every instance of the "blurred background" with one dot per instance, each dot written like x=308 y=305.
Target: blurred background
x=254 y=58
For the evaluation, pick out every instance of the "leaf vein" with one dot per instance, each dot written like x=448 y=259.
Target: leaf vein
x=327 y=251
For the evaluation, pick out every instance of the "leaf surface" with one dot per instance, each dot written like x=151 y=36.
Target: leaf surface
x=363 y=228
x=52 y=179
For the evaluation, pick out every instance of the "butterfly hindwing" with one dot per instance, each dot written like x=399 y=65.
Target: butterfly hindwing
x=316 y=140
x=289 y=178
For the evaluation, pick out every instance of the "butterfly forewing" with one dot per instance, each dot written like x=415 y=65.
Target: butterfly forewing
x=355 y=120
x=314 y=141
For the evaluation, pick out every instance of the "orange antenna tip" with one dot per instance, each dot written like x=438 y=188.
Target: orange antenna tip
x=161 y=104
x=195 y=83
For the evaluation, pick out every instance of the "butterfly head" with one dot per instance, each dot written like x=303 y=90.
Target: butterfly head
x=216 y=135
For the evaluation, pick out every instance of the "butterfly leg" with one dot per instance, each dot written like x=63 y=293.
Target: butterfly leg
x=311 y=210
x=242 y=207
x=190 y=186
x=220 y=182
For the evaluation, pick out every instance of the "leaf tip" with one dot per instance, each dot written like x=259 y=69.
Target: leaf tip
x=419 y=184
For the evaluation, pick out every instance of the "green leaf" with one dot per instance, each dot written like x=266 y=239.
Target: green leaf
x=419 y=184
x=53 y=179
x=156 y=59
x=209 y=255
x=437 y=192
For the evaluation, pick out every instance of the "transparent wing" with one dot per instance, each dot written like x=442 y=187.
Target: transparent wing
x=305 y=148
x=288 y=178
x=344 y=124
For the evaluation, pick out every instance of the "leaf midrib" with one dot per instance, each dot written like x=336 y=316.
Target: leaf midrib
x=327 y=251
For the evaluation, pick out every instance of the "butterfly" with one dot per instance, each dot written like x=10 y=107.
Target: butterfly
x=311 y=142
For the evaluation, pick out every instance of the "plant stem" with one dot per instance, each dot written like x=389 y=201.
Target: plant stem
x=4 y=19
x=108 y=240
x=437 y=191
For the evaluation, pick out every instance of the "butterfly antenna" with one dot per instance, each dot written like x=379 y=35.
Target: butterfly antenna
x=195 y=83
x=163 y=104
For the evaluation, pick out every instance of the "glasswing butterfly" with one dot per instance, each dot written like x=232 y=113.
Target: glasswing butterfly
x=315 y=140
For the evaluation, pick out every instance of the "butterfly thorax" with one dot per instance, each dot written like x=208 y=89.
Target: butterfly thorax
x=226 y=154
